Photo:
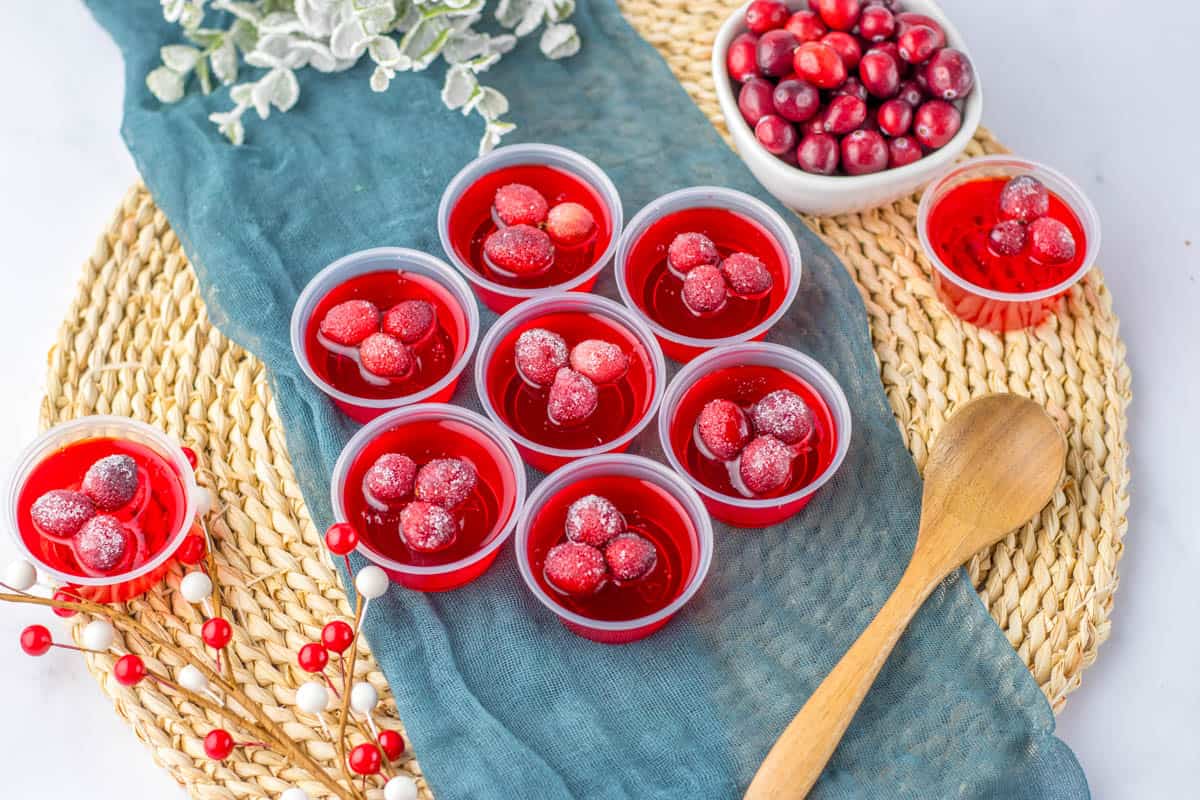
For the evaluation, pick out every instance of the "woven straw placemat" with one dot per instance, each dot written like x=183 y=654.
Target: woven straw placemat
x=137 y=342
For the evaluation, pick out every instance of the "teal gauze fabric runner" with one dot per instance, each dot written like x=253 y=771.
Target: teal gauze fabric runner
x=499 y=699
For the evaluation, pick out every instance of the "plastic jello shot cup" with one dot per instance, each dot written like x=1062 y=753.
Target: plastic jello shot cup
x=481 y=518
x=383 y=328
x=101 y=504
x=805 y=453
x=568 y=190
x=523 y=404
x=657 y=506
x=654 y=285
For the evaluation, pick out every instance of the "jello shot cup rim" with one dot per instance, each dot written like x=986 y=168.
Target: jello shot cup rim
x=95 y=427
x=764 y=354
x=559 y=303
x=1010 y=166
x=418 y=413
x=536 y=153
x=622 y=465
x=365 y=262
x=728 y=200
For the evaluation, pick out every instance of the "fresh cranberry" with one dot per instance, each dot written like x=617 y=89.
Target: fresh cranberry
x=765 y=465
x=755 y=100
x=539 y=354
x=840 y=15
x=427 y=528
x=518 y=204
x=852 y=86
x=891 y=49
x=1007 y=237
x=572 y=398
x=575 y=568
x=630 y=557
x=446 y=482
x=880 y=74
x=60 y=513
x=775 y=133
x=385 y=356
x=917 y=43
x=350 y=322
x=598 y=360
x=593 y=520
x=806 y=26
x=704 y=289
x=690 y=250
x=796 y=100
x=1051 y=242
x=814 y=125
x=844 y=114
x=519 y=250
x=784 y=415
x=102 y=543
x=747 y=275
x=766 y=15
x=722 y=430
x=111 y=482
x=820 y=65
x=818 y=154
x=895 y=117
x=847 y=47
x=910 y=92
x=908 y=19
x=1024 y=198
x=742 y=58
x=871 y=121
x=391 y=477
x=774 y=53
x=949 y=74
x=864 y=152
x=570 y=223
x=876 y=24
x=935 y=123
x=192 y=550
x=410 y=321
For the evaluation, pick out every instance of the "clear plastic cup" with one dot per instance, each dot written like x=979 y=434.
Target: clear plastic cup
x=439 y=577
x=379 y=259
x=988 y=308
x=543 y=457
x=122 y=586
x=681 y=347
x=745 y=512
x=636 y=467
x=499 y=297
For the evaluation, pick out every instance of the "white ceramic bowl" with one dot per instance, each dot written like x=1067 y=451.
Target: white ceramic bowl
x=838 y=194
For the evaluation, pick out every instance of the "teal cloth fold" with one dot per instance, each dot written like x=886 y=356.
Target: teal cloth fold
x=499 y=699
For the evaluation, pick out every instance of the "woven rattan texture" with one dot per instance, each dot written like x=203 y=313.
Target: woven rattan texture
x=137 y=342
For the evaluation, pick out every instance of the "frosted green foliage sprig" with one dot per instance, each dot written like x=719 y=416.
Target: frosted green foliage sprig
x=280 y=38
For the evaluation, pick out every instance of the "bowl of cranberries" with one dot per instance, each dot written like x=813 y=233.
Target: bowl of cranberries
x=842 y=105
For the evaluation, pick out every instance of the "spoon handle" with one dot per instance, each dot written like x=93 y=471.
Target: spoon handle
x=799 y=755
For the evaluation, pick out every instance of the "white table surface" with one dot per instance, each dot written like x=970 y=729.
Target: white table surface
x=1065 y=83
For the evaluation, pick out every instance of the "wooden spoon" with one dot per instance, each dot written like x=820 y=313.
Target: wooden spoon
x=992 y=468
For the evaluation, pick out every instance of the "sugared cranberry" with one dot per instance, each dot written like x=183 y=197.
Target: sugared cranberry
x=806 y=26
x=385 y=356
x=519 y=250
x=102 y=543
x=895 y=117
x=908 y=19
x=1050 y=241
x=575 y=568
x=722 y=430
x=572 y=398
x=570 y=223
x=935 y=123
x=391 y=477
x=847 y=47
x=742 y=58
x=111 y=482
x=784 y=415
x=704 y=289
x=1024 y=198
x=774 y=53
x=852 y=86
x=410 y=321
x=518 y=204
x=917 y=43
x=949 y=74
x=876 y=23
x=819 y=64
x=446 y=482
x=765 y=465
x=766 y=15
x=630 y=557
x=756 y=100
x=911 y=93
x=539 y=355
x=844 y=114
x=864 y=152
x=775 y=134
x=593 y=520
x=427 y=528
x=818 y=154
x=690 y=250
x=747 y=275
x=350 y=322
x=60 y=513
x=1008 y=237
x=796 y=100
x=879 y=74
x=599 y=361
x=840 y=15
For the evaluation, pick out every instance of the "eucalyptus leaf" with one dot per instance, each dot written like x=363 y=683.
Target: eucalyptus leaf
x=179 y=57
x=491 y=104
x=204 y=76
x=316 y=17
x=492 y=135
x=166 y=85
x=384 y=51
x=460 y=85
x=559 y=10
x=559 y=41
x=287 y=90
x=534 y=15
x=224 y=62
x=381 y=78
x=349 y=40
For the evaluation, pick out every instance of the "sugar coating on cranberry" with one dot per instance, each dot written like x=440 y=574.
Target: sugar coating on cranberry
x=385 y=356
x=630 y=557
x=111 y=482
x=1051 y=241
x=704 y=289
x=570 y=223
x=1024 y=198
x=690 y=250
x=410 y=321
x=518 y=204
x=575 y=568
x=747 y=274
x=721 y=430
x=519 y=250
x=1008 y=237
x=101 y=544
x=539 y=355
x=599 y=361
x=350 y=322
x=59 y=513
x=573 y=398
x=446 y=482
x=593 y=520
x=426 y=527
x=391 y=477
x=765 y=465
x=784 y=415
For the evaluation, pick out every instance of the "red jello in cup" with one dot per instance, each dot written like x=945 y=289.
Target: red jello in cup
x=433 y=491
x=529 y=219
x=1007 y=239
x=596 y=382
x=756 y=429
x=384 y=328
x=653 y=553
x=706 y=267
x=101 y=504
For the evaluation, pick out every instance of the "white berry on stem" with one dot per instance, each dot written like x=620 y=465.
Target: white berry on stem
x=295 y=793
x=364 y=698
x=400 y=787
x=97 y=635
x=192 y=679
x=371 y=582
x=312 y=697
x=196 y=587
x=20 y=575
